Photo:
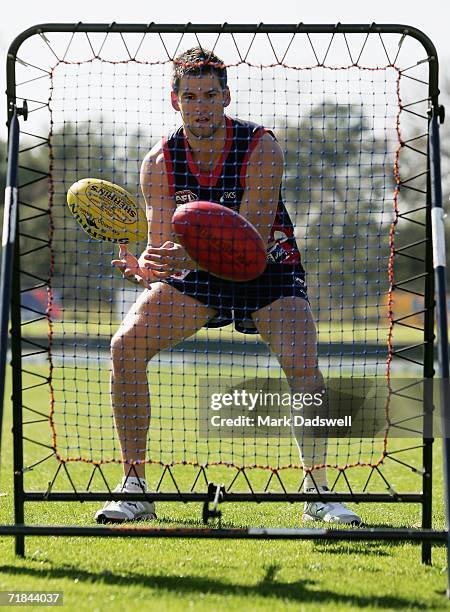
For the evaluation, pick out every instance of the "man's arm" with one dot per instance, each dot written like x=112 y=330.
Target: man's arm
x=262 y=185
x=159 y=210
x=162 y=255
x=160 y=205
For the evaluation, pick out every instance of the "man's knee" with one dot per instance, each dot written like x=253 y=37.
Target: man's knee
x=128 y=347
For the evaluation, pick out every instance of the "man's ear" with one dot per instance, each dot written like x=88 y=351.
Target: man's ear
x=174 y=100
x=226 y=96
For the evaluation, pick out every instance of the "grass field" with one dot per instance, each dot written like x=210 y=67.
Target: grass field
x=328 y=331
x=127 y=574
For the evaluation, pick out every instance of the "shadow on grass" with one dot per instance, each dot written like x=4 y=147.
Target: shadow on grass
x=186 y=522
x=342 y=548
x=302 y=591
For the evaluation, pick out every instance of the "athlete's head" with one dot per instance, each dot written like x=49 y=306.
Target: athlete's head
x=200 y=91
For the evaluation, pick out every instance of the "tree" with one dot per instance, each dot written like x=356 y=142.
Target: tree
x=3 y=163
x=336 y=188
x=54 y=248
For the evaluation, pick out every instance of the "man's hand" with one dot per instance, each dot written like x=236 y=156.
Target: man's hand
x=128 y=264
x=168 y=258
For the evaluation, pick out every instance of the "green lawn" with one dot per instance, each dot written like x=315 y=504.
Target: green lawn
x=329 y=331
x=128 y=574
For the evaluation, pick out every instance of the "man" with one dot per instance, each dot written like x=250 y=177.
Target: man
x=240 y=165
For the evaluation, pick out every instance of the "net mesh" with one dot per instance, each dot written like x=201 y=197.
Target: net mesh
x=350 y=122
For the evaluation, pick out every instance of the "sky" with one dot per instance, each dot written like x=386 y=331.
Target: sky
x=411 y=12
x=434 y=22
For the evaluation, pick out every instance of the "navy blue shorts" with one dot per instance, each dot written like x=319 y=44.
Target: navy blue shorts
x=236 y=301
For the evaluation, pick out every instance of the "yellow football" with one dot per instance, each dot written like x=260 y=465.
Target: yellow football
x=106 y=211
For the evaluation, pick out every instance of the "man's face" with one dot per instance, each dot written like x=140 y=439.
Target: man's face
x=201 y=102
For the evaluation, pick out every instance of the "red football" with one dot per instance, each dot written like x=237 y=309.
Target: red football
x=220 y=240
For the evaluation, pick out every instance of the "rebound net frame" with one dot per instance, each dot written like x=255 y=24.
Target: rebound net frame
x=25 y=345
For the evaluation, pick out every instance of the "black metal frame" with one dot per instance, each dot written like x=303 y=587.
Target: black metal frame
x=216 y=494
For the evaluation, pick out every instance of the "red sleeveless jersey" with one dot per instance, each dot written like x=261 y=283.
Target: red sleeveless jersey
x=226 y=183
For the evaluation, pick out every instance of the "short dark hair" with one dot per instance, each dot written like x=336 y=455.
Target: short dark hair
x=198 y=61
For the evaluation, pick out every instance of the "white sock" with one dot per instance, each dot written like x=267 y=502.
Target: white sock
x=313 y=451
x=319 y=482
x=134 y=482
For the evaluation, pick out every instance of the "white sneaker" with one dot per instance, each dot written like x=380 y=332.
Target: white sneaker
x=124 y=511
x=329 y=512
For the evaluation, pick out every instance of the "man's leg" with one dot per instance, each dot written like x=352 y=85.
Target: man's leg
x=288 y=327
x=161 y=318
